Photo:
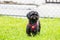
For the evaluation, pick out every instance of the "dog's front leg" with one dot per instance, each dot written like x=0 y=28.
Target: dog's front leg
x=28 y=31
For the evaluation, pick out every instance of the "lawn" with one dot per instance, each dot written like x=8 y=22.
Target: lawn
x=15 y=29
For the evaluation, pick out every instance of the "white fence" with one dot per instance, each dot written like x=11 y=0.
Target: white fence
x=45 y=10
x=15 y=9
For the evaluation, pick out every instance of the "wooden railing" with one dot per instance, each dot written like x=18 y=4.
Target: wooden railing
x=52 y=1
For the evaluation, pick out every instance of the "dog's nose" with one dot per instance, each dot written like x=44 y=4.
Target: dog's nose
x=34 y=18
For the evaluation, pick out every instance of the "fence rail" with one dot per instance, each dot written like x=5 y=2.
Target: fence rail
x=52 y=1
x=22 y=16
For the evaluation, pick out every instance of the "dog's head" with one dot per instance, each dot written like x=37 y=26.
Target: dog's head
x=33 y=15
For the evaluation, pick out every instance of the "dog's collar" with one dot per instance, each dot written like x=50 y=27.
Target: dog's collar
x=35 y=24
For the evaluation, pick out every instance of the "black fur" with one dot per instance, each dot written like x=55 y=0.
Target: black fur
x=33 y=18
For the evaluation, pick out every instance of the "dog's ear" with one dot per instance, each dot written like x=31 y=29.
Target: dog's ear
x=28 y=15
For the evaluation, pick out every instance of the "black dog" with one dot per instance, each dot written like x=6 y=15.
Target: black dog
x=34 y=23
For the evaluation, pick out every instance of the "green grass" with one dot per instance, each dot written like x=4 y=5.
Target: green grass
x=15 y=29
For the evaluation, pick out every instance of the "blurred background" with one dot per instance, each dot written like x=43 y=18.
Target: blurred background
x=46 y=8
